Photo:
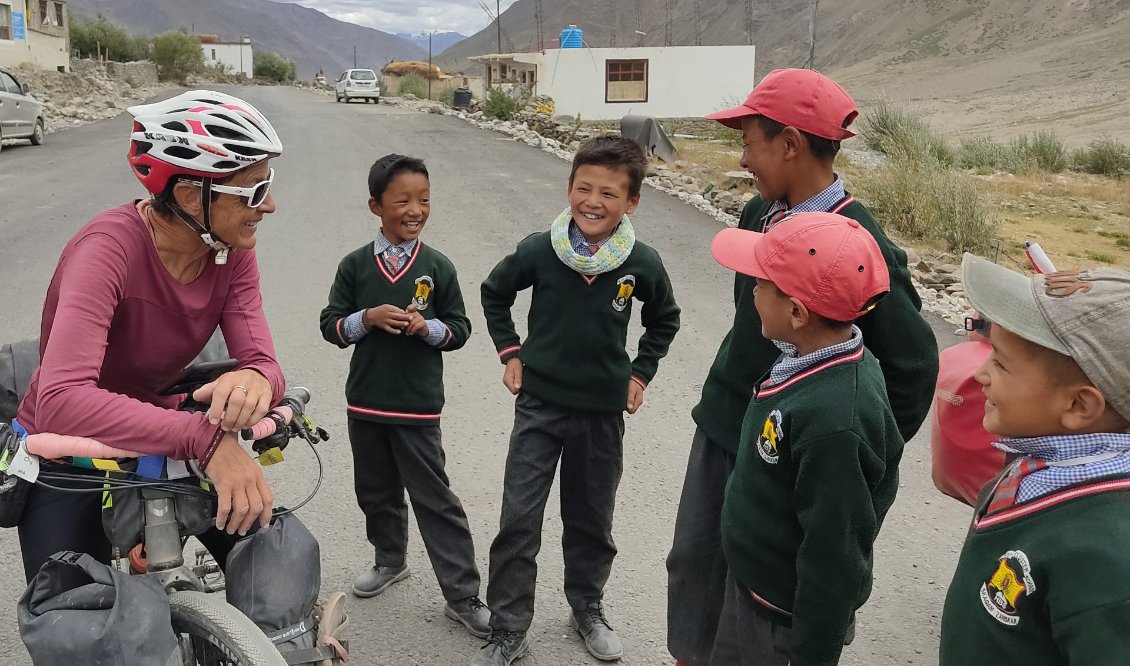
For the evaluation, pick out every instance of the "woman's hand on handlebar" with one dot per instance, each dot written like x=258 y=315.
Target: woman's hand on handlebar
x=238 y=399
x=243 y=493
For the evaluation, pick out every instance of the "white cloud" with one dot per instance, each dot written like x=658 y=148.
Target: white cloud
x=410 y=16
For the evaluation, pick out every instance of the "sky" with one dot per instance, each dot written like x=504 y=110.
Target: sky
x=410 y=16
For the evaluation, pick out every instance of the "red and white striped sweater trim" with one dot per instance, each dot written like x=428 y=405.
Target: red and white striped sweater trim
x=505 y=351
x=393 y=279
x=838 y=360
x=1049 y=501
x=393 y=415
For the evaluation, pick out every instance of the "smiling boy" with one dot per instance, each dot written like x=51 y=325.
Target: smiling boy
x=573 y=380
x=1044 y=577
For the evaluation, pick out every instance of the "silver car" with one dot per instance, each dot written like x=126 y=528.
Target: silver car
x=21 y=115
x=361 y=83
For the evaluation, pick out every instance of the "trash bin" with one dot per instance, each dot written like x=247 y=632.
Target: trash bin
x=462 y=98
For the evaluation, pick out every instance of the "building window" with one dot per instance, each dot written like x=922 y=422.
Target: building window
x=5 y=22
x=626 y=81
x=44 y=17
x=213 y=54
x=59 y=14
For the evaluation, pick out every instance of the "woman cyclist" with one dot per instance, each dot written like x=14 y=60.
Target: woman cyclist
x=136 y=295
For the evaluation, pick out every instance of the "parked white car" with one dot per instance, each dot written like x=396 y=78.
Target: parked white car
x=21 y=115
x=354 y=83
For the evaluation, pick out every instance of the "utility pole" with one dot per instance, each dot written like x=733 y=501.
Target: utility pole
x=811 y=64
x=749 y=21
x=430 y=35
x=667 y=26
x=612 y=23
x=538 y=17
x=697 y=26
x=498 y=22
x=354 y=57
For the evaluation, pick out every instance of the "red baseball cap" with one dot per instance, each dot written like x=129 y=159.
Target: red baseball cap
x=801 y=98
x=827 y=261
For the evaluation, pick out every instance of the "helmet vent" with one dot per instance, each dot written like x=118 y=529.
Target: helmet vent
x=226 y=164
x=175 y=126
x=141 y=147
x=181 y=152
x=244 y=150
x=226 y=133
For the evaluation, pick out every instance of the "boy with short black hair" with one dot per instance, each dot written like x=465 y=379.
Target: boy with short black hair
x=398 y=303
x=817 y=467
x=574 y=380
x=792 y=125
x=1044 y=576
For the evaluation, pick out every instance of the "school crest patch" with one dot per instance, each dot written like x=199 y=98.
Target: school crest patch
x=624 y=288
x=424 y=287
x=1011 y=581
x=770 y=437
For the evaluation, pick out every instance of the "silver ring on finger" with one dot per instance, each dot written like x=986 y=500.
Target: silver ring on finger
x=242 y=388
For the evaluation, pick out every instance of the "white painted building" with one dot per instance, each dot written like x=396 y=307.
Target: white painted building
x=234 y=55
x=607 y=84
x=34 y=32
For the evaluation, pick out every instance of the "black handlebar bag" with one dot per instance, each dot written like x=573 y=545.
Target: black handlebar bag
x=79 y=611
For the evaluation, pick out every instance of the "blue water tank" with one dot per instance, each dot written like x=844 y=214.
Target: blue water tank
x=571 y=38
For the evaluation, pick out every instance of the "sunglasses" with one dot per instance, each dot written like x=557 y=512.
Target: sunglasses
x=253 y=196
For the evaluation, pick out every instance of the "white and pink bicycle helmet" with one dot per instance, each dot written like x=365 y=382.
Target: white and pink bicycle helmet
x=197 y=133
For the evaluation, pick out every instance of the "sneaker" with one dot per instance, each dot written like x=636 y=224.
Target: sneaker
x=600 y=639
x=378 y=579
x=331 y=618
x=502 y=649
x=472 y=613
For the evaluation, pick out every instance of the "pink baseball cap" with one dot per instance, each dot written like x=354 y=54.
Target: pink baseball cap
x=801 y=98
x=827 y=261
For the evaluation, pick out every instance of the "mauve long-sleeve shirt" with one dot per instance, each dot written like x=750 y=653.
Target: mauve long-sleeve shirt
x=117 y=327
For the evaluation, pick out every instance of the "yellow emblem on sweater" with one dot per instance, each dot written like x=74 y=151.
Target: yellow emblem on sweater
x=770 y=437
x=624 y=288
x=424 y=287
x=1011 y=581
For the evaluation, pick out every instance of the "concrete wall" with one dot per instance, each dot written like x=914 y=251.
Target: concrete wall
x=236 y=56
x=682 y=81
x=44 y=50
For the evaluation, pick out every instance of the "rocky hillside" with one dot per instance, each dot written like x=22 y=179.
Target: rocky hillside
x=308 y=37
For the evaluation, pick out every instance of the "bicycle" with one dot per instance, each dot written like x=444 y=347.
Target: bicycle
x=210 y=631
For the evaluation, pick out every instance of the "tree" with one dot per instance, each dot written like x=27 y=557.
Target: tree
x=273 y=67
x=177 y=55
x=98 y=38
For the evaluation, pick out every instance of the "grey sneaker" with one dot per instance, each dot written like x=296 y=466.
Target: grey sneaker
x=472 y=613
x=600 y=640
x=502 y=649
x=378 y=579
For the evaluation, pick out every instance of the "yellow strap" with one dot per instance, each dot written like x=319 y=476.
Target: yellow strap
x=105 y=465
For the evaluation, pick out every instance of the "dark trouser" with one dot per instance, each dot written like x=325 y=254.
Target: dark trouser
x=590 y=447
x=387 y=459
x=56 y=520
x=747 y=635
x=696 y=567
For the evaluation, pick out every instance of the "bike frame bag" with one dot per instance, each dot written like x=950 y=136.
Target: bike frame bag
x=79 y=611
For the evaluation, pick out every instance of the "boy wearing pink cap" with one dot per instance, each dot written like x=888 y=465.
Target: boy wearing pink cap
x=792 y=125
x=817 y=467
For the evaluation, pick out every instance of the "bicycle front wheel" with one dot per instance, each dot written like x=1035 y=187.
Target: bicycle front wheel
x=213 y=633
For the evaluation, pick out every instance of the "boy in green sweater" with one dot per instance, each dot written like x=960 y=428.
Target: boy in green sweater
x=1044 y=576
x=574 y=381
x=792 y=125
x=817 y=467
x=397 y=302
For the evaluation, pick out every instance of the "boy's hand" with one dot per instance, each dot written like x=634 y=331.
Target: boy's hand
x=417 y=325
x=388 y=318
x=512 y=375
x=242 y=493
x=635 y=396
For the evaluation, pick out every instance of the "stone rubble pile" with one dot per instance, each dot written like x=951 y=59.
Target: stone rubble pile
x=91 y=92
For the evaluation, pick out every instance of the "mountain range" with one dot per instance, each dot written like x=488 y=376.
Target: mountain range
x=441 y=41
x=311 y=39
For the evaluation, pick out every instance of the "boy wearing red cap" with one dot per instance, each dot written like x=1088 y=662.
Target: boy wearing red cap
x=792 y=124
x=817 y=467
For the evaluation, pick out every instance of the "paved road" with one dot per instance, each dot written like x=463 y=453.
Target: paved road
x=488 y=192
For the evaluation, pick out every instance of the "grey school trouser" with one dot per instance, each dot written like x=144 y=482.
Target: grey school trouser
x=746 y=634
x=590 y=448
x=696 y=567
x=387 y=459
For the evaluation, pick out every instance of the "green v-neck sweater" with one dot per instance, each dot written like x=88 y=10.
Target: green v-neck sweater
x=396 y=379
x=574 y=353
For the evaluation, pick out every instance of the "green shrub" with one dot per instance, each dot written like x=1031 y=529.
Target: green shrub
x=1105 y=156
x=1101 y=257
x=447 y=96
x=415 y=84
x=270 y=66
x=99 y=38
x=177 y=55
x=982 y=154
x=893 y=129
x=924 y=200
x=500 y=104
x=1041 y=151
